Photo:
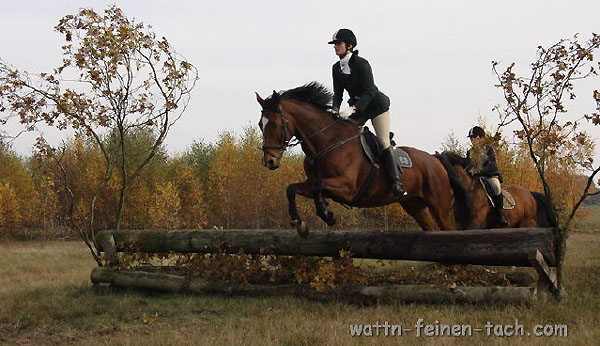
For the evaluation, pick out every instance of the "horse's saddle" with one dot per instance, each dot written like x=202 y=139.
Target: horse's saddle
x=508 y=200
x=372 y=149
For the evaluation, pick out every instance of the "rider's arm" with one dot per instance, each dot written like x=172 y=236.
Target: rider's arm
x=491 y=168
x=338 y=88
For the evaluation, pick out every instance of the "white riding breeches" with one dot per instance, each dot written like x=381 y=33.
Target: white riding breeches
x=381 y=123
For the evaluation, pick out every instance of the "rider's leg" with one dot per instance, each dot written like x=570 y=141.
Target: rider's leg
x=498 y=201
x=381 y=123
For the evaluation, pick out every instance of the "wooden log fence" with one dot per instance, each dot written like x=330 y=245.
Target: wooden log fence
x=353 y=293
x=496 y=247
x=530 y=247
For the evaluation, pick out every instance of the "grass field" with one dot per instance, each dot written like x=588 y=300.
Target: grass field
x=46 y=298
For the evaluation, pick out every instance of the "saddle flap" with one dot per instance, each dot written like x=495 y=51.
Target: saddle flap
x=373 y=151
x=508 y=201
x=369 y=144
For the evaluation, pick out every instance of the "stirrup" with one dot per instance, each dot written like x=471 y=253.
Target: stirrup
x=502 y=221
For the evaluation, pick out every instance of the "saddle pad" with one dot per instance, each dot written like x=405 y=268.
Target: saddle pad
x=371 y=148
x=402 y=158
x=508 y=201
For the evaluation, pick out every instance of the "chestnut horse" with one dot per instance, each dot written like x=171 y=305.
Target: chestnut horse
x=337 y=168
x=531 y=208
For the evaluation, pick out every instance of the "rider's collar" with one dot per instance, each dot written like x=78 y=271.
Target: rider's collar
x=345 y=63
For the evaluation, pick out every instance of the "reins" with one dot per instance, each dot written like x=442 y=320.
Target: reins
x=286 y=143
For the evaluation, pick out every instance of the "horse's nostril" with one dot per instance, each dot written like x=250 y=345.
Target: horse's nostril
x=271 y=164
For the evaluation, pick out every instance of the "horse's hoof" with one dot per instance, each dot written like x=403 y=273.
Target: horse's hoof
x=330 y=219
x=302 y=229
x=294 y=223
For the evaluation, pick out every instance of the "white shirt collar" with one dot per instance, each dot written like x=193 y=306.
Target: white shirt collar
x=345 y=63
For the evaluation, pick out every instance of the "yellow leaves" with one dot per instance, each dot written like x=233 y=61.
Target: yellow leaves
x=149 y=319
x=19 y=197
x=164 y=210
x=9 y=208
x=192 y=213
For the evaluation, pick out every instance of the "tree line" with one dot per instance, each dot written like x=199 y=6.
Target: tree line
x=121 y=87
x=220 y=184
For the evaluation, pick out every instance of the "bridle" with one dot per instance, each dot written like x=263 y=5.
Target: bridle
x=285 y=143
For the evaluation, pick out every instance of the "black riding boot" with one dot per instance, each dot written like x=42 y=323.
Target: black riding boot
x=499 y=207
x=389 y=161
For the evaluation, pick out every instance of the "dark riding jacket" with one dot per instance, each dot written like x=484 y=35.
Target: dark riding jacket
x=483 y=163
x=364 y=95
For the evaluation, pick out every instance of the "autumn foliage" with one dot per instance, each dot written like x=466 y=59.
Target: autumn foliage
x=217 y=185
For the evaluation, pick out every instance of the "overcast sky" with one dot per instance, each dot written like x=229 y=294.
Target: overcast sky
x=432 y=58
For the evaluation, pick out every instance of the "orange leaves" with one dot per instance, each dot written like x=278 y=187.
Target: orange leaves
x=559 y=151
x=320 y=273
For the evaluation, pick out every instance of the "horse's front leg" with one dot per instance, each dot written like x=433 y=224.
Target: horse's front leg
x=305 y=190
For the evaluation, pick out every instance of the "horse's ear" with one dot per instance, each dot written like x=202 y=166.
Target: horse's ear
x=275 y=95
x=259 y=99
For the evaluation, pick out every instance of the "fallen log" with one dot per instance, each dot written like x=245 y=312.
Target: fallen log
x=497 y=247
x=355 y=294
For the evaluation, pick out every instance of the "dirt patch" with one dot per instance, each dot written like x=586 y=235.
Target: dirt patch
x=14 y=335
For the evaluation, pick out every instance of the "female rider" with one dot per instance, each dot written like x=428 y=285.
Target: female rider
x=353 y=74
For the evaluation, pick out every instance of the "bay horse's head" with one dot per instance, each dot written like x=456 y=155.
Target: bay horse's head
x=279 y=125
x=276 y=130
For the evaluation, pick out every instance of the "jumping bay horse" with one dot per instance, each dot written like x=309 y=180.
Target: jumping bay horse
x=337 y=168
x=531 y=209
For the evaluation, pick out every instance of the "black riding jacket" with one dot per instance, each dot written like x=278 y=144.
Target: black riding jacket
x=483 y=163
x=364 y=95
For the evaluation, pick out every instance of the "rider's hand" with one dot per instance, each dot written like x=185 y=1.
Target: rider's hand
x=333 y=110
x=345 y=113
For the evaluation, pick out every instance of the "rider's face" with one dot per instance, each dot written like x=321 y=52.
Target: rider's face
x=475 y=140
x=340 y=48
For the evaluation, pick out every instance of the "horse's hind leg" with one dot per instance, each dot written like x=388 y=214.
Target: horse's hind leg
x=292 y=190
x=443 y=218
x=419 y=211
x=321 y=205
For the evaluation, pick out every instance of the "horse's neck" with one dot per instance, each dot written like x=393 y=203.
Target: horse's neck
x=470 y=181
x=316 y=129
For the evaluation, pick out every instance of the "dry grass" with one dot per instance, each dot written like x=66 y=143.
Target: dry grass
x=46 y=299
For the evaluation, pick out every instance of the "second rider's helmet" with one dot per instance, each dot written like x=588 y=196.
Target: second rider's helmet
x=476 y=131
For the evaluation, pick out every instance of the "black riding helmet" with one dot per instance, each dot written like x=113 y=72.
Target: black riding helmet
x=344 y=35
x=476 y=131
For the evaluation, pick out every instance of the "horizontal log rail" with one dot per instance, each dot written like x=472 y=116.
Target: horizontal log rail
x=498 y=247
x=355 y=294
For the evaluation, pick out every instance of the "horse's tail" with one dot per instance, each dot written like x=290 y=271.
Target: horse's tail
x=545 y=214
x=463 y=206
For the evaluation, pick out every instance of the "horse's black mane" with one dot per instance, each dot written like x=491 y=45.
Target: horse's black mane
x=456 y=159
x=464 y=211
x=313 y=93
